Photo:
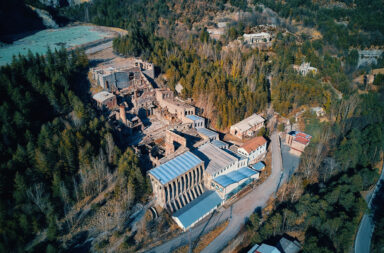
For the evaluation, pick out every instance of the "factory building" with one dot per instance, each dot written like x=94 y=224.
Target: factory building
x=178 y=181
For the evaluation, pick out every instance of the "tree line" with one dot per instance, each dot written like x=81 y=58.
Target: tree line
x=323 y=200
x=55 y=149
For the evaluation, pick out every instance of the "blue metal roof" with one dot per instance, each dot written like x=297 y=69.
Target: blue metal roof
x=234 y=176
x=258 y=166
x=175 y=167
x=207 y=132
x=219 y=144
x=194 y=117
x=198 y=208
x=265 y=248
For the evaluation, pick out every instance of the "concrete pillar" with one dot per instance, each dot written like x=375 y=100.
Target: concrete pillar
x=177 y=187
x=189 y=180
x=173 y=190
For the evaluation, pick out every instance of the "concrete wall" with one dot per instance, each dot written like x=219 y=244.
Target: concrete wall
x=170 y=139
x=247 y=133
x=109 y=103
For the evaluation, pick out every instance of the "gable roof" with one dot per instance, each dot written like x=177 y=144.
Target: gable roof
x=249 y=122
x=253 y=144
x=197 y=208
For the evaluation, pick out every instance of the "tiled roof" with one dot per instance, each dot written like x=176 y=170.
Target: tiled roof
x=254 y=143
x=175 y=167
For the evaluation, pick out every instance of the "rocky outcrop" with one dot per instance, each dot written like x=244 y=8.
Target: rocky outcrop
x=46 y=17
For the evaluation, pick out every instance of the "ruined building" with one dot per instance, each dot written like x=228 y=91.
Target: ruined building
x=132 y=122
x=166 y=99
x=121 y=78
x=105 y=99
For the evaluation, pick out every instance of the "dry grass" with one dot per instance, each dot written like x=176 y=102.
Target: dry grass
x=205 y=240
x=209 y=237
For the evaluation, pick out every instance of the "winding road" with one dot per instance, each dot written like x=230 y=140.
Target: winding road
x=237 y=213
x=366 y=228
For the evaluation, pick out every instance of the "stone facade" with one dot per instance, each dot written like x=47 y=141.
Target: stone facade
x=105 y=99
x=166 y=99
x=171 y=139
x=247 y=127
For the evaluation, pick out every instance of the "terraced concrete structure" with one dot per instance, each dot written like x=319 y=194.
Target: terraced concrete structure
x=178 y=181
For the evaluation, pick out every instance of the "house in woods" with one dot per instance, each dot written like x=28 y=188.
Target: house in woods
x=254 y=149
x=247 y=127
x=319 y=111
x=105 y=99
x=305 y=68
x=297 y=141
x=262 y=38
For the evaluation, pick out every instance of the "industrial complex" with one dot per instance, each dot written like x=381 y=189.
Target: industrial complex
x=191 y=169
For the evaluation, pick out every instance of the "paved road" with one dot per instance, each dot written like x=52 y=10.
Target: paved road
x=364 y=234
x=237 y=213
x=243 y=208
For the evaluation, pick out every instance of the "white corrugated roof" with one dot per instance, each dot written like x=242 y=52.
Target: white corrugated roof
x=249 y=122
x=216 y=158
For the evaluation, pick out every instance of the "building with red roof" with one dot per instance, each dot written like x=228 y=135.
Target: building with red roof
x=297 y=141
x=254 y=149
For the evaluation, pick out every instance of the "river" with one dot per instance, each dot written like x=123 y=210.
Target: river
x=68 y=37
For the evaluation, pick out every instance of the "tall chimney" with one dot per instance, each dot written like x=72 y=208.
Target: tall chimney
x=123 y=117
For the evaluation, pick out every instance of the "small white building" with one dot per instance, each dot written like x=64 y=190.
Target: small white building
x=254 y=149
x=305 y=68
x=319 y=111
x=256 y=38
